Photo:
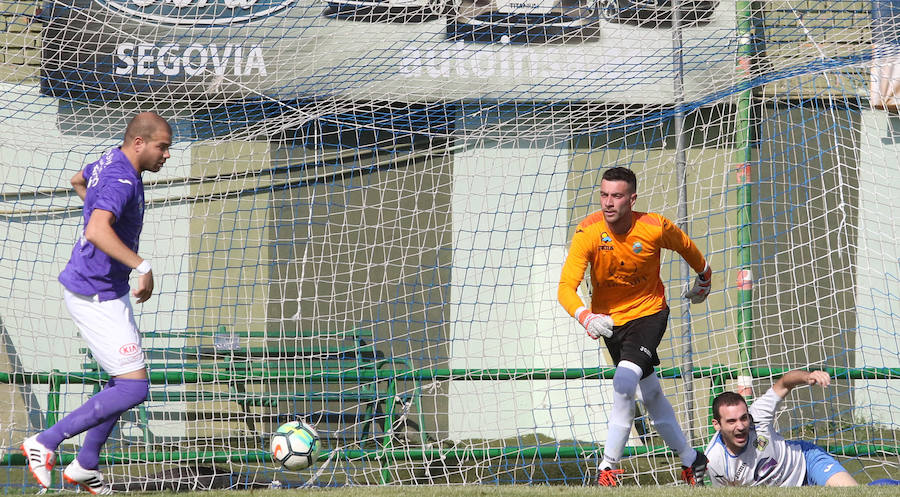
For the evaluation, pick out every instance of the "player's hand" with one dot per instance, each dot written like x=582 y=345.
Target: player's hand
x=818 y=378
x=144 y=288
x=698 y=293
x=596 y=325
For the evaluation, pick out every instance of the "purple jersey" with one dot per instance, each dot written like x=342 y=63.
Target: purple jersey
x=112 y=185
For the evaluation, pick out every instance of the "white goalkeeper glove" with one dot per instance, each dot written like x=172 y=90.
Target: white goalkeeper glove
x=697 y=294
x=596 y=325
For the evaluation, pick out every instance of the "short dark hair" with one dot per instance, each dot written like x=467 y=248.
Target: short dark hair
x=146 y=125
x=726 y=399
x=621 y=174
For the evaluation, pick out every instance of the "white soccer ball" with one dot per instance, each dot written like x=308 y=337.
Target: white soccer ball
x=295 y=445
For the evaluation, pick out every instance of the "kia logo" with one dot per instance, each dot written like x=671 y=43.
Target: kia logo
x=129 y=349
x=197 y=12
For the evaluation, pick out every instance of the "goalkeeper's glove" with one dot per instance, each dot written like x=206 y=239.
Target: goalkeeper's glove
x=596 y=325
x=697 y=294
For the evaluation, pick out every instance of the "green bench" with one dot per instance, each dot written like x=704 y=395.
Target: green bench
x=338 y=381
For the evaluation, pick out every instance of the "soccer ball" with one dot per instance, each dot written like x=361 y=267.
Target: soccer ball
x=295 y=445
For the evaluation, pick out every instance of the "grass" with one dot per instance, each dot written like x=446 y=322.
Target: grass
x=562 y=491
x=629 y=489
x=644 y=474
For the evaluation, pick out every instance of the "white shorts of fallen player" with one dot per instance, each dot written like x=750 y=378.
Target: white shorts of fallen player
x=109 y=329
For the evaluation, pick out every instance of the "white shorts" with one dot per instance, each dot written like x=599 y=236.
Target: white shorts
x=109 y=329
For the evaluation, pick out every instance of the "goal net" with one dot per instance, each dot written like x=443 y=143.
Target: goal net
x=368 y=204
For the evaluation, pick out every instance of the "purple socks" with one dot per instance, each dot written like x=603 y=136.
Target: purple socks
x=98 y=416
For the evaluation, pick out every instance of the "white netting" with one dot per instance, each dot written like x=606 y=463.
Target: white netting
x=368 y=205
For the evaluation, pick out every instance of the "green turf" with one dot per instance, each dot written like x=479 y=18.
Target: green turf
x=481 y=490
x=643 y=474
x=561 y=491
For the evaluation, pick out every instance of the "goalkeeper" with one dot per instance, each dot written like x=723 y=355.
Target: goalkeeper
x=748 y=451
x=628 y=309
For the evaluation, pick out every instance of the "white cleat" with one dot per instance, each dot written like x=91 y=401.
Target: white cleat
x=40 y=460
x=88 y=479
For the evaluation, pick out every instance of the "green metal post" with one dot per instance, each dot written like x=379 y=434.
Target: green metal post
x=743 y=160
x=53 y=397
x=387 y=454
x=387 y=440
x=528 y=452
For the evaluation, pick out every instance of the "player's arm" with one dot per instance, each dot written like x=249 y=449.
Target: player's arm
x=79 y=184
x=99 y=231
x=596 y=325
x=572 y=275
x=797 y=377
x=675 y=239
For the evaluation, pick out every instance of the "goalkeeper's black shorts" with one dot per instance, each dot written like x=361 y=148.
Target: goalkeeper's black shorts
x=637 y=340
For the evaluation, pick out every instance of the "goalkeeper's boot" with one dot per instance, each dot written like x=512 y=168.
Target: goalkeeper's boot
x=609 y=477
x=89 y=479
x=693 y=474
x=40 y=460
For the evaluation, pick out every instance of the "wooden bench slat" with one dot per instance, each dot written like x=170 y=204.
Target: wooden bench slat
x=283 y=335
x=334 y=368
x=258 y=399
x=210 y=353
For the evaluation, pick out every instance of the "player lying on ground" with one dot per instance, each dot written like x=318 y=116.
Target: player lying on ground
x=747 y=450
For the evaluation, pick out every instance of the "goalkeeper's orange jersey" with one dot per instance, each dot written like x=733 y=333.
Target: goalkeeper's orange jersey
x=625 y=279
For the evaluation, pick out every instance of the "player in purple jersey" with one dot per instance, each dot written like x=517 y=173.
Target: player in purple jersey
x=95 y=286
x=747 y=450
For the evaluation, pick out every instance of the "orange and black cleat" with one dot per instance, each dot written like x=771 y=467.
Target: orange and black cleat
x=609 y=477
x=694 y=474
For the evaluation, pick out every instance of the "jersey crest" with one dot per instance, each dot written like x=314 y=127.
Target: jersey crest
x=604 y=237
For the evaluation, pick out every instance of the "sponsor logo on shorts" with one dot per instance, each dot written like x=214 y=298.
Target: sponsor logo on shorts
x=646 y=351
x=828 y=468
x=129 y=349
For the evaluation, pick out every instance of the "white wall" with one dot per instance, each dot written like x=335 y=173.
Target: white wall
x=878 y=265
x=33 y=250
x=510 y=232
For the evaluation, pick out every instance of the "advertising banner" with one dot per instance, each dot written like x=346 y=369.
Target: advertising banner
x=394 y=50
